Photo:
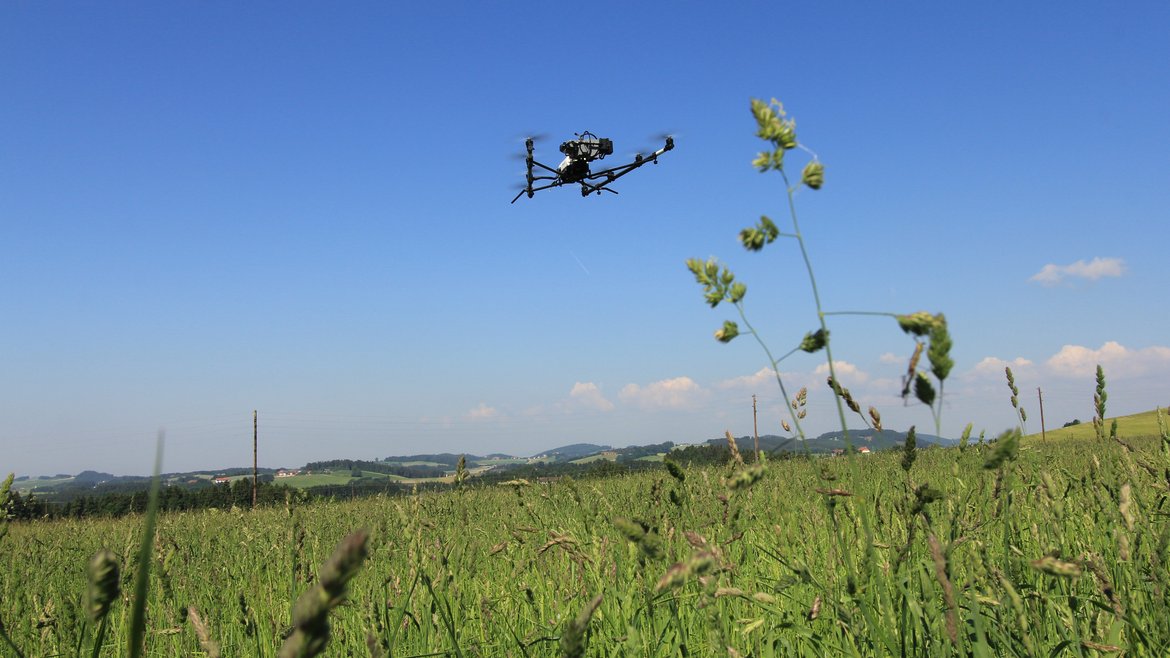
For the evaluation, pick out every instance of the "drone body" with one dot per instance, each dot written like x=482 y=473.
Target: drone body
x=575 y=168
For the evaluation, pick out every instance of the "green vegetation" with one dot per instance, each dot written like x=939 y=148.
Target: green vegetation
x=1014 y=547
x=1134 y=425
x=1059 y=549
x=719 y=283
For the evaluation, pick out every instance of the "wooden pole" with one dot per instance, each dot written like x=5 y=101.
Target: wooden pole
x=755 y=428
x=255 y=469
x=1043 y=433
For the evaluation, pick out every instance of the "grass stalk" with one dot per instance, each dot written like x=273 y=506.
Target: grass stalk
x=136 y=637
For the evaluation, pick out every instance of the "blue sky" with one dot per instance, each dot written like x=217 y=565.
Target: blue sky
x=302 y=208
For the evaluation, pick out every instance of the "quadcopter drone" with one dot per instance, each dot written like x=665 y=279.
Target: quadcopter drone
x=575 y=167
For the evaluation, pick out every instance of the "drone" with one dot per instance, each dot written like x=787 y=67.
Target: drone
x=579 y=152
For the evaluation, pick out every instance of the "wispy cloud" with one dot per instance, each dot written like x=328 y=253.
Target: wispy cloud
x=483 y=412
x=1052 y=274
x=676 y=393
x=992 y=366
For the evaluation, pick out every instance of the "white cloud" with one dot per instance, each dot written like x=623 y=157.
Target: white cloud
x=1116 y=359
x=676 y=393
x=483 y=412
x=890 y=357
x=847 y=373
x=761 y=377
x=1052 y=274
x=588 y=395
x=992 y=366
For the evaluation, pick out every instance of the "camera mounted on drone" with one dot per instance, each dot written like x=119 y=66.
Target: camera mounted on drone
x=579 y=152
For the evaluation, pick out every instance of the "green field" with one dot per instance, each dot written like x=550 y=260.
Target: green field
x=608 y=455
x=1061 y=548
x=28 y=485
x=1134 y=425
x=317 y=479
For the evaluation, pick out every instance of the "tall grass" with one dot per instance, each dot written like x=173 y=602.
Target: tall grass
x=1007 y=548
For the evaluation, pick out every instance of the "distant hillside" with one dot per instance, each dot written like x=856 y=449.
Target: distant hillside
x=447 y=458
x=572 y=451
x=829 y=441
x=1133 y=425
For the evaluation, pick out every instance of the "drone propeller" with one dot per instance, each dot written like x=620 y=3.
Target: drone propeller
x=659 y=138
x=535 y=137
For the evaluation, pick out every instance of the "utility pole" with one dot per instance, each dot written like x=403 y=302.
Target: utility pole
x=255 y=470
x=1043 y=433
x=755 y=428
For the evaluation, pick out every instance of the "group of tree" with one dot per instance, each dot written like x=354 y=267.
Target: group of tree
x=121 y=503
x=357 y=465
x=634 y=453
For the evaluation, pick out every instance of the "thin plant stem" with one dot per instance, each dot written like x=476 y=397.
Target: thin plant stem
x=812 y=279
x=775 y=370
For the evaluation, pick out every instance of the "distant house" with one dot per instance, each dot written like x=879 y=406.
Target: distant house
x=282 y=473
x=864 y=450
x=223 y=480
x=837 y=452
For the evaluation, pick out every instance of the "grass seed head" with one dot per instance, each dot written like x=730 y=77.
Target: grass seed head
x=917 y=324
x=746 y=477
x=1126 y=506
x=733 y=446
x=1006 y=447
x=1057 y=567
x=574 y=634
x=813 y=175
x=103 y=586
x=814 y=341
x=210 y=647
x=909 y=449
x=311 y=612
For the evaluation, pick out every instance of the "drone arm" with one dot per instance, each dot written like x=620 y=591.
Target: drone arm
x=532 y=190
x=614 y=173
x=545 y=167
